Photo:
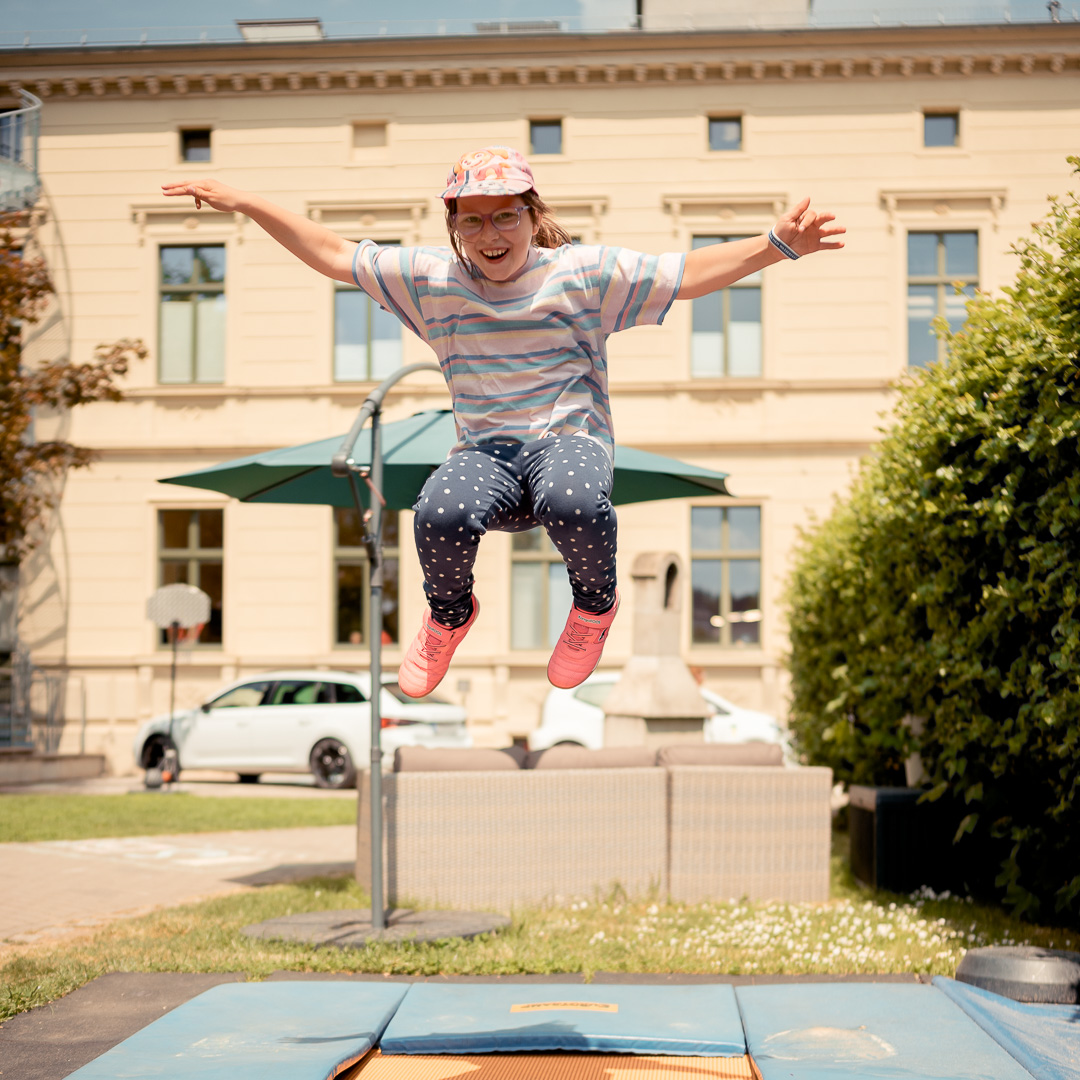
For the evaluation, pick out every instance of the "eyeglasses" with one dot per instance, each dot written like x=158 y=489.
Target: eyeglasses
x=505 y=220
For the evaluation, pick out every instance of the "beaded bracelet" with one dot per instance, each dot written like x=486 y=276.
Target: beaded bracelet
x=781 y=246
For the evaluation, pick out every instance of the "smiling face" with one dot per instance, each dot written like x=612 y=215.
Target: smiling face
x=498 y=255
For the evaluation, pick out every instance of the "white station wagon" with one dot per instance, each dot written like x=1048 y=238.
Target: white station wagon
x=300 y=721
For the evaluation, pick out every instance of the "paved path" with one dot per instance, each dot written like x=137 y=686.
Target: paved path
x=57 y=886
x=192 y=782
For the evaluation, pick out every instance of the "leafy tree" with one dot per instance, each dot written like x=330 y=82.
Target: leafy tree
x=946 y=584
x=25 y=466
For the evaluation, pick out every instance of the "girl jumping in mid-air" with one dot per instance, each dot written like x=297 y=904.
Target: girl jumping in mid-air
x=519 y=318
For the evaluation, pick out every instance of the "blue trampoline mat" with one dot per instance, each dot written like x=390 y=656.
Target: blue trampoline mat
x=881 y=1031
x=1045 y=1039
x=479 y=1019
x=273 y=1031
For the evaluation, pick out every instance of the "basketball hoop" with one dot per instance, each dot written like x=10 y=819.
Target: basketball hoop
x=181 y=611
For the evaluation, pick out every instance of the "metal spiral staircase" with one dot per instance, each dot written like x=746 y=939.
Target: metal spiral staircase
x=20 y=183
x=29 y=698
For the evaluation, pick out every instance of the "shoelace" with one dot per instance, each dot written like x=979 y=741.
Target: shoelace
x=432 y=643
x=577 y=639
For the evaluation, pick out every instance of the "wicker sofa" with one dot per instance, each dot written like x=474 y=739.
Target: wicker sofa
x=499 y=829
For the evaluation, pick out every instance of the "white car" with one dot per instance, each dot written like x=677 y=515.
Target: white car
x=576 y=718
x=300 y=721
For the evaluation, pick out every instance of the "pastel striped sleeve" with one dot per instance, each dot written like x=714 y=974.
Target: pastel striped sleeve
x=637 y=289
x=389 y=276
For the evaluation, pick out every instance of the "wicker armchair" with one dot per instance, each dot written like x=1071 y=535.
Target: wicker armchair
x=762 y=833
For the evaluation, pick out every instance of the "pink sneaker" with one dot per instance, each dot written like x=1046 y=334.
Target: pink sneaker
x=580 y=646
x=430 y=653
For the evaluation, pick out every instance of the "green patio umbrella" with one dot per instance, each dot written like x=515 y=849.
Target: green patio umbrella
x=395 y=459
x=411 y=448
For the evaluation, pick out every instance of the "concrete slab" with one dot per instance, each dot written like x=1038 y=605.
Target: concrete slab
x=351 y=928
x=19 y=770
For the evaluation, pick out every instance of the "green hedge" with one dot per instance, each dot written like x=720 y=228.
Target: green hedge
x=945 y=584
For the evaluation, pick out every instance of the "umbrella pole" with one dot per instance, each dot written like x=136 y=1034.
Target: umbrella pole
x=378 y=907
x=342 y=464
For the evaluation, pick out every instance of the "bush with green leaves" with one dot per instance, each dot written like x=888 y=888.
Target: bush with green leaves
x=945 y=585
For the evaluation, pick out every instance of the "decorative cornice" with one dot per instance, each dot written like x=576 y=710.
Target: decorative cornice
x=419 y=75
x=942 y=203
x=687 y=210
x=347 y=392
x=180 y=215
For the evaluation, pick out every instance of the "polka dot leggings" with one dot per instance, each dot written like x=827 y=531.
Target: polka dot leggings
x=562 y=483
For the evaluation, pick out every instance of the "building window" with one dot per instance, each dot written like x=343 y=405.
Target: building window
x=725 y=575
x=195 y=144
x=937 y=263
x=540 y=595
x=191 y=551
x=367 y=338
x=352 y=579
x=545 y=136
x=367 y=135
x=191 y=334
x=726 y=335
x=725 y=132
x=941 y=129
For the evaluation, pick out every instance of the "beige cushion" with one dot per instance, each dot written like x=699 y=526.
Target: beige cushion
x=748 y=753
x=577 y=757
x=426 y=759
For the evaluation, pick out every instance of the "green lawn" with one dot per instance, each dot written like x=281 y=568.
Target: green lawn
x=80 y=817
x=855 y=931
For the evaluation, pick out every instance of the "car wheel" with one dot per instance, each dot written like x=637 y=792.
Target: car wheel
x=249 y=777
x=154 y=751
x=570 y=742
x=331 y=764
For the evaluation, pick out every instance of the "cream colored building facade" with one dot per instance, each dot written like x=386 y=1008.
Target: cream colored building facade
x=360 y=135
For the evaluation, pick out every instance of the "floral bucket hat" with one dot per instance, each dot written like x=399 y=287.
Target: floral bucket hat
x=494 y=170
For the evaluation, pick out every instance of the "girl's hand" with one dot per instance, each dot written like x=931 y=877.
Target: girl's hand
x=805 y=231
x=212 y=192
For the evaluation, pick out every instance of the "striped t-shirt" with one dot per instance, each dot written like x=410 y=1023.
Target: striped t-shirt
x=525 y=358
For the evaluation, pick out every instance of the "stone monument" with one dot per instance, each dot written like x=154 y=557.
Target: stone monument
x=656 y=701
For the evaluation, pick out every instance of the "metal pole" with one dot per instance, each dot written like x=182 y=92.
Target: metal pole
x=342 y=461
x=174 y=630
x=378 y=907
x=344 y=465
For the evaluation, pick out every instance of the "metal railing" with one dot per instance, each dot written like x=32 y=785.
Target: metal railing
x=20 y=183
x=30 y=717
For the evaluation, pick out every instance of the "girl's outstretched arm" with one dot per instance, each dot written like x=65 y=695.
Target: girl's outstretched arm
x=319 y=247
x=718 y=265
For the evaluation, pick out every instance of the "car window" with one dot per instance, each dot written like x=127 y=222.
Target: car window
x=347 y=694
x=594 y=693
x=398 y=694
x=241 y=696
x=298 y=692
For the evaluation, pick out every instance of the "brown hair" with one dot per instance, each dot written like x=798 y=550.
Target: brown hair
x=550 y=233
